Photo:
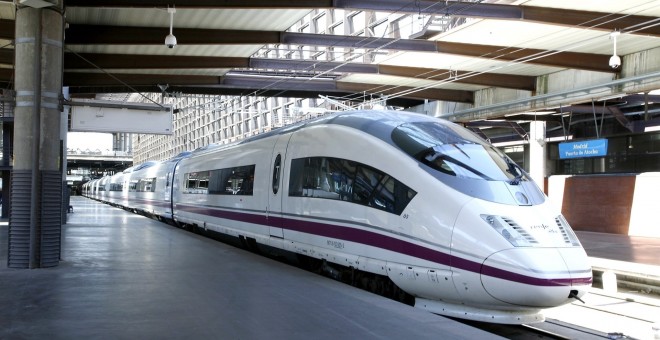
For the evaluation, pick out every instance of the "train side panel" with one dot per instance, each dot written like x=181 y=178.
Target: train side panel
x=237 y=205
x=142 y=193
x=115 y=192
x=411 y=246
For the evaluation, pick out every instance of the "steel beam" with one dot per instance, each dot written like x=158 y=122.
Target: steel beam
x=6 y=74
x=6 y=56
x=409 y=92
x=478 y=132
x=7 y=29
x=447 y=8
x=80 y=92
x=634 y=24
x=258 y=84
x=99 y=35
x=612 y=110
x=132 y=61
x=201 y=4
x=583 y=61
x=487 y=79
x=312 y=66
x=357 y=42
x=128 y=61
x=80 y=34
x=80 y=79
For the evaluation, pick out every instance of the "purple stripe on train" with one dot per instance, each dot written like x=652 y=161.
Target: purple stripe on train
x=381 y=241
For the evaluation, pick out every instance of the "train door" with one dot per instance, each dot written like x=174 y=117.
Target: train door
x=167 y=191
x=274 y=210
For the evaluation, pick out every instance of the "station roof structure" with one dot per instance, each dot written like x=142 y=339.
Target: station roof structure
x=494 y=58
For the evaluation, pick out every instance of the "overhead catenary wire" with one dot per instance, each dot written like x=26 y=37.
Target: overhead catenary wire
x=536 y=56
x=531 y=57
x=377 y=89
x=383 y=46
x=113 y=77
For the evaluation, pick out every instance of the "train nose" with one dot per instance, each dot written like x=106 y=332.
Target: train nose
x=537 y=277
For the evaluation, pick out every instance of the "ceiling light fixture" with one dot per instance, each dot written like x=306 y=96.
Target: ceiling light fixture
x=36 y=3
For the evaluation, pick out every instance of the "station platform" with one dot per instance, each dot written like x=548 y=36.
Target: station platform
x=631 y=263
x=632 y=249
x=124 y=276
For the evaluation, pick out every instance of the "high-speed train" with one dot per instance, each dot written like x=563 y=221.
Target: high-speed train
x=443 y=214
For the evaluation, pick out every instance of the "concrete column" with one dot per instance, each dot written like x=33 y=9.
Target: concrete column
x=64 y=128
x=120 y=141
x=116 y=141
x=537 y=152
x=7 y=139
x=37 y=178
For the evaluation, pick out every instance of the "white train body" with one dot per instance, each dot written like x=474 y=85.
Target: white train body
x=115 y=192
x=149 y=188
x=447 y=217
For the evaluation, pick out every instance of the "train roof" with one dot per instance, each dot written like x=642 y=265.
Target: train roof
x=379 y=123
x=183 y=154
x=145 y=165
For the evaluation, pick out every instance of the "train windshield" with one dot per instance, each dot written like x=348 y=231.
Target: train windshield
x=455 y=151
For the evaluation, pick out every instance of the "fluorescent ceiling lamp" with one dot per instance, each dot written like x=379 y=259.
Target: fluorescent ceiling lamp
x=536 y=113
x=652 y=128
x=36 y=3
x=559 y=139
x=513 y=143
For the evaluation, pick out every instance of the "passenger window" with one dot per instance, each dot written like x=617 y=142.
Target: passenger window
x=392 y=196
x=365 y=183
x=340 y=179
x=144 y=184
x=383 y=197
x=232 y=181
x=239 y=181
x=197 y=182
x=342 y=173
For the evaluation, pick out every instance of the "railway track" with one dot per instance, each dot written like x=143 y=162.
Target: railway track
x=602 y=316
x=617 y=316
x=550 y=329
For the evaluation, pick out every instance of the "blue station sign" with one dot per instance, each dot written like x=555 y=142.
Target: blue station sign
x=587 y=148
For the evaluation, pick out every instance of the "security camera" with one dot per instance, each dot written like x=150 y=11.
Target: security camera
x=170 y=40
x=615 y=61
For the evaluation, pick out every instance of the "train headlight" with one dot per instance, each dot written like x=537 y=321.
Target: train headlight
x=510 y=230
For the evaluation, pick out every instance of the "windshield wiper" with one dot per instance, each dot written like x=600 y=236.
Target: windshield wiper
x=461 y=150
x=515 y=170
x=431 y=155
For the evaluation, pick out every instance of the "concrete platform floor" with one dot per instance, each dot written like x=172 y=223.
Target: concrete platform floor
x=123 y=276
x=633 y=249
